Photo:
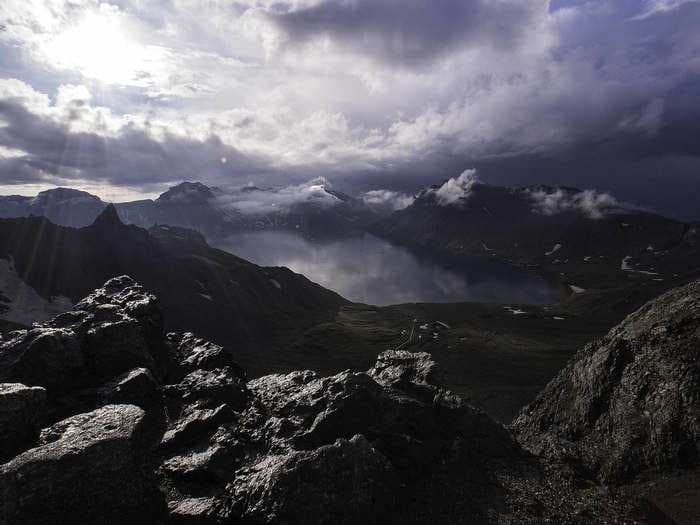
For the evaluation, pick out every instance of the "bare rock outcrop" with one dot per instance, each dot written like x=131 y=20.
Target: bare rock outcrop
x=627 y=405
x=89 y=468
x=20 y=410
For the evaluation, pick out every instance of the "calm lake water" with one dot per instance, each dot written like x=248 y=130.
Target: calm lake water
x=371 y=270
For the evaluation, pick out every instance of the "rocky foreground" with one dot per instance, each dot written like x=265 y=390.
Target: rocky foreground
x=106 y=419
x=626 y=409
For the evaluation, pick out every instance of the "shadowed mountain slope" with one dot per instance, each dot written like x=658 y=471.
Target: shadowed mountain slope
x=577 y=238
x=201 y=288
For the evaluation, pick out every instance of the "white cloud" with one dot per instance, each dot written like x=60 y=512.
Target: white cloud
x=14 y=90
x=10 y=153
x=648 y=120
x=456 y=189
x=592 y=203
x=659 y=7
x=71 y=107
x=387 y=200
x=255 y=201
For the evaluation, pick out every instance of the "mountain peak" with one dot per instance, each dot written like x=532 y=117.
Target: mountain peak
x=187 y=192
x=65 y=194
x=109 y=217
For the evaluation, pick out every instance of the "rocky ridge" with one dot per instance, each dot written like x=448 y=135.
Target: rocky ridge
x=626 y=409
x=628 y=404
x=121 y=422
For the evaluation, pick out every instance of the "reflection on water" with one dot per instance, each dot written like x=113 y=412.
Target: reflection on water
x=371 y=270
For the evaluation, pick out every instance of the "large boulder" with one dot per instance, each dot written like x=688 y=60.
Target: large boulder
x=90 y=468
x=346 y=482
x=20 y=410
x=628 y=404
x=193 y=353
x=43 y=356
x=403 y=370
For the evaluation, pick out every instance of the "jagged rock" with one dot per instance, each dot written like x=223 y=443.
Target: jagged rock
x=193 y=511
x=47 y=357
x=408 y=371
x=113 y=330
x=194 y=353
x=346 y=482
x=215 y=462
x=452 y=463
x=194 y=424
x=319 y=410
x=402 y=368
x=129 y=336
x=213 y=387
x=20 y=411
x=136 y=387
x=629 y=403
x=87 y=469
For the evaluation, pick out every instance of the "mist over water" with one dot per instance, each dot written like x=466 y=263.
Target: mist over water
x=370 y=270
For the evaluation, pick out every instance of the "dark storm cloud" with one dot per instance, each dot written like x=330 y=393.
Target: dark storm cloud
x=407 y=31
x=131 y=158
x=372 y=94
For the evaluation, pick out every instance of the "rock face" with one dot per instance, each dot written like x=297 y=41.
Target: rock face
x=629 y=403
x=145 y=428
x=324 y=483
x=20 y=409
x=113 y=330
x=89 y=468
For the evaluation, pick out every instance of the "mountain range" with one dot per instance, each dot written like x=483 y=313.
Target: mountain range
x=580 y=238
x=314 y=211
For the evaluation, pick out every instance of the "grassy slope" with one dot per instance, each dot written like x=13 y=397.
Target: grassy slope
x=498 y=360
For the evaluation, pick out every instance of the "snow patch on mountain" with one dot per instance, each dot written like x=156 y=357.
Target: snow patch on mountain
x=21 y=304
x=514 y=311
x=554 y=250
x=626 y=266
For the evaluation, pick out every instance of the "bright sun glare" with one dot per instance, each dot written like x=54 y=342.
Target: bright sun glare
x=98 y=47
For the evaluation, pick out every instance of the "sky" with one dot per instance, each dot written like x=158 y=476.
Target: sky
x=125 y=98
